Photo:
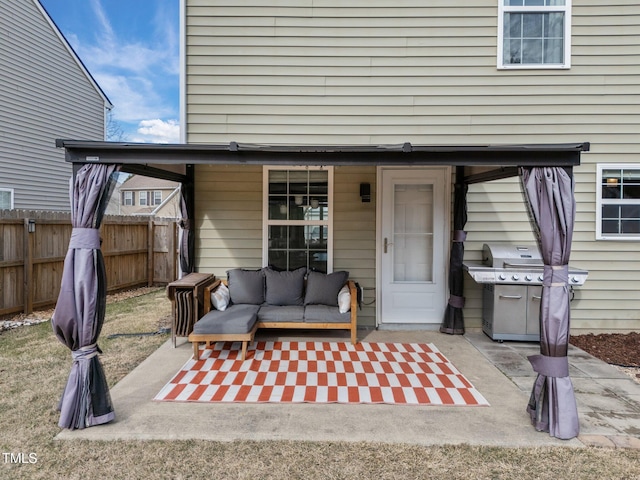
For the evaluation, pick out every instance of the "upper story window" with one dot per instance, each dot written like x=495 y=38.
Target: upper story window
x=534 y=34
x=127 y=198
x=6 y=198
x=618 y=197
x=298 y=218
x=143 y=196
x=157 y=197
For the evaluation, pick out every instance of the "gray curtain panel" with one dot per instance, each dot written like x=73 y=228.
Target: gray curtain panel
x=79 y=313
x=453 y=321
x=550 y=197
x=187 y=241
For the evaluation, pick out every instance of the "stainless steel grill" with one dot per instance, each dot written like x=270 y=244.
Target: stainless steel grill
x=512 y=284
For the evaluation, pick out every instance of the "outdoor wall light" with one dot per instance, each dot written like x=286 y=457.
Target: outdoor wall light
x=365 y=192
x=31 y=226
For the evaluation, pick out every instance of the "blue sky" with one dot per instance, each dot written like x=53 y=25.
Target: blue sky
x=132 y=50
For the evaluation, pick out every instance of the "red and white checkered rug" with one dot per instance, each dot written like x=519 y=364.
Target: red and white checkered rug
x=322 y=372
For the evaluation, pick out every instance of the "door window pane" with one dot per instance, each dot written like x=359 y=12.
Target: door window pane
x=413 y=233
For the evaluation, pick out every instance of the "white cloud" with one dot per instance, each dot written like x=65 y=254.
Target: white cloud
x=134 y=98
x=111 y=51
x=158 y=131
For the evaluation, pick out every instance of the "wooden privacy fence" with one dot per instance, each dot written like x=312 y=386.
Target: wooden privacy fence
x=138 y=251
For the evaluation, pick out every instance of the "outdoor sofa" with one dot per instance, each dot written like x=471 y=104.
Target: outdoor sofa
x=268 y=298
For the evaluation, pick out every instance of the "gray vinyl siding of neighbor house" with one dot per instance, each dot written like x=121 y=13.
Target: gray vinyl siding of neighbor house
x=44 y=95
x=381 y=72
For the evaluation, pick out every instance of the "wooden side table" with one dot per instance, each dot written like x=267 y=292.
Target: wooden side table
x=187 y=302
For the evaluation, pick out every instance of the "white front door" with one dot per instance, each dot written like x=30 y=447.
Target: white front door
x=414 y=232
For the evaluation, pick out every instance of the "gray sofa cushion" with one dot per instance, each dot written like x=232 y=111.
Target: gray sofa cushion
x=235 y=319
x=246 y=286
x=325 y=314
x=322 y=289
x=284 y=288
x=286 y=313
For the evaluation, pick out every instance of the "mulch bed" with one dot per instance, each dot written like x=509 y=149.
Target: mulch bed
x=614 y=348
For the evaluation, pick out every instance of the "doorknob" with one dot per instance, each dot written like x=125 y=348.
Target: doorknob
x=386 y=244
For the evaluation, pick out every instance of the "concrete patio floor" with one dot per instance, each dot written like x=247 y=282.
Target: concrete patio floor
x=608 y=402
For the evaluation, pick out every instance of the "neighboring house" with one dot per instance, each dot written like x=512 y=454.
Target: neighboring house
x=467 y=83
x=45 y=93
x=140 y=195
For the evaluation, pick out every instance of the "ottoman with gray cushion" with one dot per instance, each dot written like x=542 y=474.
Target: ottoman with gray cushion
x=238 y=323
x=268 y=298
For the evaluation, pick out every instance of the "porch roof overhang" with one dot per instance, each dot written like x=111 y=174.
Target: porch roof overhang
x=161 y=160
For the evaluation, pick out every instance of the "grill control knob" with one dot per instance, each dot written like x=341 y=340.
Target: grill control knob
x=540 y=278
x=515 y=278
x=502 y=276
x=575 y=279
x=528 y=278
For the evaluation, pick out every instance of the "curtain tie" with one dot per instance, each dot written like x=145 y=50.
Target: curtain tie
x=459 y=235
x=85 y=238
x=557 y=367
x=456 y=301
x=555 y=276
x=184 y=223
x=85 y=353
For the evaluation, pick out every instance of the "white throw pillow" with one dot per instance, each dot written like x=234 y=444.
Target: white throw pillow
x=220 y=297
x=344 y=299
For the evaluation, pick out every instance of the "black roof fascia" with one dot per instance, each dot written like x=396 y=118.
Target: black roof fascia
x=147 y=171
x=567 y=154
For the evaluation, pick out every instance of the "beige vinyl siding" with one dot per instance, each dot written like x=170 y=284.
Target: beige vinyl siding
x=44 y=95
x=381 y=72
x=303 y=72
x=355 y=234
x=228 y=218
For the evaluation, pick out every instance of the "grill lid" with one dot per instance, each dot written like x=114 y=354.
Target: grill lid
x=508 y=255
x=506 y=263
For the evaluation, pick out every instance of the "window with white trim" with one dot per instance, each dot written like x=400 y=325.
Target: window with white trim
x=534 y=34
x=143 y=196
x=298 y=219
x=6 y=198
x=157 y=197
x=127 y=198
x=618 y=202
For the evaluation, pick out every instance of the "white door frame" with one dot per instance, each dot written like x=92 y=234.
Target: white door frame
x=447 y=232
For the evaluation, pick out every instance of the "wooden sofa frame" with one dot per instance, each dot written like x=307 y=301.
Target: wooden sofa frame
x=246 y=338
